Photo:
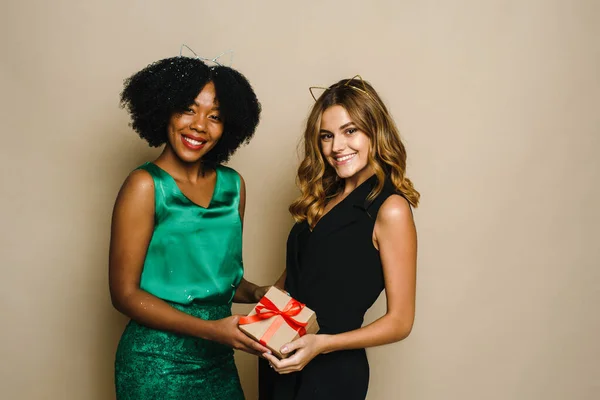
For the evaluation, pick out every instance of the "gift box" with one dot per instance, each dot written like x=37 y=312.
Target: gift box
x=278 y=319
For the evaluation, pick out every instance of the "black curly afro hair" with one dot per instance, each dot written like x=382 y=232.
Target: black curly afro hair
x=170 y=86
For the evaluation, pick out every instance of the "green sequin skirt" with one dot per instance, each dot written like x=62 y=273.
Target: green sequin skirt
x=153 y=364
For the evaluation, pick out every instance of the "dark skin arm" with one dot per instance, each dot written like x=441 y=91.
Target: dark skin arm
x=247 y=292
x=281 y=281
x=131 y=231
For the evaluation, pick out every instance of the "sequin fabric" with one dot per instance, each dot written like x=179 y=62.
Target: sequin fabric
x=152 y=364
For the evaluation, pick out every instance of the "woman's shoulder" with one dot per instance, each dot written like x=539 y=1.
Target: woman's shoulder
x=228 y=172
x=140 y=179
x=231 y=178
x=137 y=190
x=389 y=194
x=395 y=208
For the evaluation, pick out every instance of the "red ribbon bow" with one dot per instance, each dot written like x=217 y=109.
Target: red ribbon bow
x=266 y=309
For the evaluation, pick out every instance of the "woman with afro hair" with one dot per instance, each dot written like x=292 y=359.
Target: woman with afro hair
x=176 y=238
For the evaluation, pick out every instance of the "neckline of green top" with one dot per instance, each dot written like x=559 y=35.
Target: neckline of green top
x=215 y=190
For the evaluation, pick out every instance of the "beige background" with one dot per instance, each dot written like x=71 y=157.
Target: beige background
x=498 y=103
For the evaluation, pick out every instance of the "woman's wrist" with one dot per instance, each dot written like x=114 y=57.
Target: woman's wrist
x=325 y=343
x=206 y=329
x=255 y=294
x=259 y=292
x=248 y=292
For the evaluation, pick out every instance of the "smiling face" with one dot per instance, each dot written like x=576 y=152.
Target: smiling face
x=344 y=145
x=195 y=131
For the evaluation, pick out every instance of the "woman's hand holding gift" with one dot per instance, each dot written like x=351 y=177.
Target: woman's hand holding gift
x=306 y=348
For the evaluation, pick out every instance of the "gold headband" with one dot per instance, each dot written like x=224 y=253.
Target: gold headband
x=363 y=90
x=347 y=83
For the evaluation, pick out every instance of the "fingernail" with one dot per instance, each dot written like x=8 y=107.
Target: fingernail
x=269 y=352
x=284 y=349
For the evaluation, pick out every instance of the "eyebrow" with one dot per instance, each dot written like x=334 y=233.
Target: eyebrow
x=347 y=124
x=215 y=107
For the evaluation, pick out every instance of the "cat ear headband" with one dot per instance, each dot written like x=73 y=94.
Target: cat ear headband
x=361 y=88
x=210 y=60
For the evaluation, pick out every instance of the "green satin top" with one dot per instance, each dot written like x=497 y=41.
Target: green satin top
x=195 y=253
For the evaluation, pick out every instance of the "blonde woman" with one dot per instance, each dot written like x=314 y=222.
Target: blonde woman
x=354 y=237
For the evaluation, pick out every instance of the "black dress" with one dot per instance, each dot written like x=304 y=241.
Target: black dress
x=336 y=271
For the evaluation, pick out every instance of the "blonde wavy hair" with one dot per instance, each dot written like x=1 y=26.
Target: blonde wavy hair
x=318 y=181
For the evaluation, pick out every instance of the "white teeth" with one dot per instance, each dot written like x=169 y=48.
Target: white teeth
x=193 y=141
x=345 y=158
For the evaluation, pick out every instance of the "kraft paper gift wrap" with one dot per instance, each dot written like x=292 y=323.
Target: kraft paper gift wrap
x=278 y=319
